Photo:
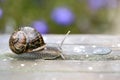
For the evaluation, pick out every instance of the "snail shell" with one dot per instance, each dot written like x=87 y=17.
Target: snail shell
x=26 y=39
x=29 y=43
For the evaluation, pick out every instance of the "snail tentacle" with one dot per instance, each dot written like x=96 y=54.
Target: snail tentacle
x=60 y=45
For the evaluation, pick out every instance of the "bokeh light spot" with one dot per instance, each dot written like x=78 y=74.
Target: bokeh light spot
x=96 y=4
x=62 y=16
x=41 y=26
x=1 y=13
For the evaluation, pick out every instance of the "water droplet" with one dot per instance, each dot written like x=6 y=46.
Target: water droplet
x=11 y=58
x=83 y=47
x=4 y=59
x=118 y=45
x=90 y=68
x=35 y=64
x=94 y=52
x=87 y=55
x=77 y=49
x=94 y=46
x=113 y=45
x=83 y=50
x=101 y=50
x=22 y=65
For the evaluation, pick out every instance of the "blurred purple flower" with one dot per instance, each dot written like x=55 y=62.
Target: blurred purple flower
x=112 y=3
x=40 y=26
x=62 y=16
x=1 y=13
x=96 y=4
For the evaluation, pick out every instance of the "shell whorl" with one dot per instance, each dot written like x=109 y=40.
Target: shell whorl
x=26 y=39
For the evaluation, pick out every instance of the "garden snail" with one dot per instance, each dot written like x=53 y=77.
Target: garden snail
x=29 y=43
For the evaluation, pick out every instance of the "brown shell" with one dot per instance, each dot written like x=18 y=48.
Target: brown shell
x=26 y=39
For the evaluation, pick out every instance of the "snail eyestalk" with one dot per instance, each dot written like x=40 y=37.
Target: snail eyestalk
x=60 y=46
x=64 y=39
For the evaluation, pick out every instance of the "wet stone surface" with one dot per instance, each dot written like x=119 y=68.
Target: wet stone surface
x=85 y=58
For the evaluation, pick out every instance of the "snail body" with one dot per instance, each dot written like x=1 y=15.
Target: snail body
x=27 y=42
x=48 y=53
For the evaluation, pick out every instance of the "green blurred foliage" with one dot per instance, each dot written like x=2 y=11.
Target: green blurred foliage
x=24 y=12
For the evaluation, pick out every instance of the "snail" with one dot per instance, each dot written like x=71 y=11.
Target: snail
x=28 y=43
